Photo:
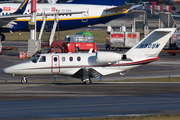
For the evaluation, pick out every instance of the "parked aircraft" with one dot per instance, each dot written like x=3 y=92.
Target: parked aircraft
x=90 y=65
x=9 y=15
x=94 y=12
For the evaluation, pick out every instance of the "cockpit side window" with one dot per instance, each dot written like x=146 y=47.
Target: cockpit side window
x=42 y=59
x=35 y=59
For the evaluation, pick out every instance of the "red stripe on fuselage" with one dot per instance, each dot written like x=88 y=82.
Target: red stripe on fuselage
x=106 y=65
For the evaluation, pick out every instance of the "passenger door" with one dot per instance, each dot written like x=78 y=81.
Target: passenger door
x=55 y=65
x=84 y=16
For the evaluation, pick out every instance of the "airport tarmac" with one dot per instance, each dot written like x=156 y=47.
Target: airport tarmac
x=44 y=98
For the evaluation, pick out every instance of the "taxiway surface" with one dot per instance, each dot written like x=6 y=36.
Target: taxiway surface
x=74 y=100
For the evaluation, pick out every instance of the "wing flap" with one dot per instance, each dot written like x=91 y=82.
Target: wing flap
x=91 y=72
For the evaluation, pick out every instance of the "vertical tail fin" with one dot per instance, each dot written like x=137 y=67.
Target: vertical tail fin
x=151 y=45
x=99 y=2
x=21 y=8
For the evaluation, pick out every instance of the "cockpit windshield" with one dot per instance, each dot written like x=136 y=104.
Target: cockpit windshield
x=35 y=59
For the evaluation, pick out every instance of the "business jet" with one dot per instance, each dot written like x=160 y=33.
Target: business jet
x=93 y=65
x=94 y=12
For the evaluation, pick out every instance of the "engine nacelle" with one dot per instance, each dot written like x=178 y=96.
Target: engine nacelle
x=108 y=57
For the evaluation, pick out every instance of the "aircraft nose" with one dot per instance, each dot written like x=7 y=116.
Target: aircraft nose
x=7 y=70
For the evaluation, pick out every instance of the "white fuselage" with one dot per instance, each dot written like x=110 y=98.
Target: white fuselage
x=69 y=64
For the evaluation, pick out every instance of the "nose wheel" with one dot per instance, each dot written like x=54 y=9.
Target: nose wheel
x=24 y=80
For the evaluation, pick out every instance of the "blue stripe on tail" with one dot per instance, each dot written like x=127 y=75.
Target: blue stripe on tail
x=21 y=8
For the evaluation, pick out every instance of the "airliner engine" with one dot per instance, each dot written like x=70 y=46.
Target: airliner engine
x=108 y=57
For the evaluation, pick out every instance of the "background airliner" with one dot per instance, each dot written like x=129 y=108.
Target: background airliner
x=95 y=12
x=88 y=65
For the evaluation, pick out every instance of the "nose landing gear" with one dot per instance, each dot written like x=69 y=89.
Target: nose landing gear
x=24 y=80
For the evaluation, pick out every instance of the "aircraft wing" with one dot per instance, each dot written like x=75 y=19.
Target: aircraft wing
x=6 y=21
x=119 y=8
x=46 y=14
x=1 y=2
x=175 y=15
x=95 y=72
x=92 y=73
x=60 y=13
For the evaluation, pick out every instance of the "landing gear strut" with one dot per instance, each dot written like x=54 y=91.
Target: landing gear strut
x=24 y=80
x=85 y=79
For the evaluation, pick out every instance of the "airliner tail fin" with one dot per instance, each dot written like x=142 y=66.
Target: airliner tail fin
x=21 y=8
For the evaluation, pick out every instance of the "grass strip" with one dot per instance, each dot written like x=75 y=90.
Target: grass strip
x=162 y=79
x=99 y=35
x=156 y=117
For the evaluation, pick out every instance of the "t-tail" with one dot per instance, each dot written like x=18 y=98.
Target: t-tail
x=99 y=2
x=151 y=45
x=21 y=8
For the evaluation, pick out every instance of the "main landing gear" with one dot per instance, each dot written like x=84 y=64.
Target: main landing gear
x=87 y=81
x=24 y=80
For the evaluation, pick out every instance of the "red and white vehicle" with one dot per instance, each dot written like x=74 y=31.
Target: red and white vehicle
x=74 y=43
x=79 y=42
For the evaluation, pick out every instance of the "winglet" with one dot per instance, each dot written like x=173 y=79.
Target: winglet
x=21 y=8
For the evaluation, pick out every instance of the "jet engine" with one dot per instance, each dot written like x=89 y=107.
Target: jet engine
x=108 y=57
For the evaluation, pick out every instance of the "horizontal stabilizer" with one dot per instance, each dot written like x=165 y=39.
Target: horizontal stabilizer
x=119 y=8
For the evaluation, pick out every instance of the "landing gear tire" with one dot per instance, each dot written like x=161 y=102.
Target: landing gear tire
x=87 y=82
x=24 y=80
x=2 y=36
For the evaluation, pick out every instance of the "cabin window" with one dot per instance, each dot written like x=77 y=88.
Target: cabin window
x=78 y=58
x=34 y=59
x=55 y=59
x=70 y=58
x=63 y=59
x=42 y=59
